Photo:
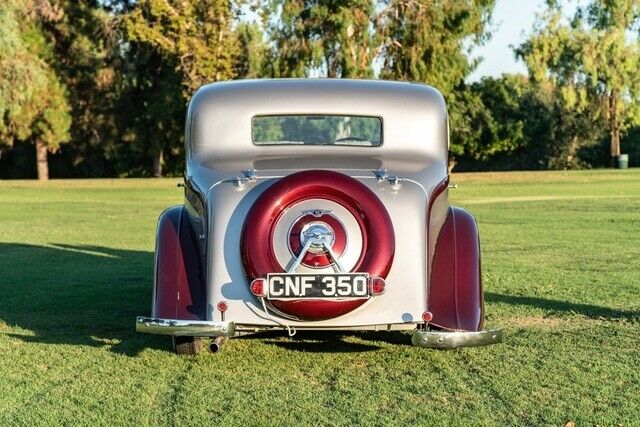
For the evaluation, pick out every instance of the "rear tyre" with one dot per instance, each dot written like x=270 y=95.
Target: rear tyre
x=189 y=345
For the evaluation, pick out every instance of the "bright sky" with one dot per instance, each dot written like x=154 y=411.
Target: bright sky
x=512 y=21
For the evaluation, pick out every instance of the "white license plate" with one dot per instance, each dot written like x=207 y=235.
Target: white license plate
x=317 y=286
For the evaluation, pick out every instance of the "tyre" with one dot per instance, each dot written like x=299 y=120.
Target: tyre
x=361 y=229
x=189 y=345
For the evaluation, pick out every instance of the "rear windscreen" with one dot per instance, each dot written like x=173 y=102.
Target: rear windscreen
x=317 y=130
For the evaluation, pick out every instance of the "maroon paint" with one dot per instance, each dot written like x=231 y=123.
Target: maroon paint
x=438 y=190
x=179 y=292
x=455 y=292
x=378 y=239
x=320 y=259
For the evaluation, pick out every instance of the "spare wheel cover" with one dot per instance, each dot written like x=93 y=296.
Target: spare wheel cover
x=378 y=240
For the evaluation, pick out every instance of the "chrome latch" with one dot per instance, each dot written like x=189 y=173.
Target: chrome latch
x=248 y=176
x=395 y=181
x=380 y=174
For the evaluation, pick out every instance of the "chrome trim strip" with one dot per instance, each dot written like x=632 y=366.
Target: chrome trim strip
x=191 y=328
x=438 y=339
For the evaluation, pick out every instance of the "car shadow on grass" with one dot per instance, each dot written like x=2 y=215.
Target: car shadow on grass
x=559 y=306
x=331 y=341
x=77 y=295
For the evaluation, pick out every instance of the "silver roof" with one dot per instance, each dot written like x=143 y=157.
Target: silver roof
x=414 y=119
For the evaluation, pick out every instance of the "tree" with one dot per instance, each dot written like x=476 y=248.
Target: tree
x=196 y=34
x=593 y=60
x=430 y=42
x=33 y=103
x=86 y=56
x=326 y=37
x=252 y=61
x=192 y=41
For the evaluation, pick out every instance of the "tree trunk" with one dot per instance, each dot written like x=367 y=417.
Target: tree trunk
x=41 y=160
x=614 y=127
x=158 y=161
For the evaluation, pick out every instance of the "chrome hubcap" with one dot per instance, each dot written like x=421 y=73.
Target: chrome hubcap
x=320 y=235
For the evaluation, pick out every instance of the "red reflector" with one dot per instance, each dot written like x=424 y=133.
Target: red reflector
x=427 y=316
x=222 y=306
x=258 y=287
x=376 y=285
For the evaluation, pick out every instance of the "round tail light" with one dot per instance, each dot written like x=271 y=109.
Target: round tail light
x=259 y=287
x=376 y=285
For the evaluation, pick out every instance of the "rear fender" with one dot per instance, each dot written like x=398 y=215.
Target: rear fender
x=179 y=291
x=455 y=293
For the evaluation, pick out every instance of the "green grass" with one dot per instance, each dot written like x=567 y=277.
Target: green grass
x=561 y=263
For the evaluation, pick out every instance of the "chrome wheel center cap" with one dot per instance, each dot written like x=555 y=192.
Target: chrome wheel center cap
x=320 y=234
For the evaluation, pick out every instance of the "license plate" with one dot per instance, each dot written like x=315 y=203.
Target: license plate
x=317 y=286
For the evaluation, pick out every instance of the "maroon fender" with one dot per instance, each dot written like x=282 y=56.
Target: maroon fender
x=455 y=292
x=179 y=291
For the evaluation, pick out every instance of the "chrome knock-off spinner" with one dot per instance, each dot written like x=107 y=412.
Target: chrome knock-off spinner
x=320 y=233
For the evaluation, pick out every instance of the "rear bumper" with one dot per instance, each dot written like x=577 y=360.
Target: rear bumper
x=191 y=328
x=439 y=339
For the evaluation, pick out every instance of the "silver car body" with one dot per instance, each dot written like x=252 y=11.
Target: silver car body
x=230 y=172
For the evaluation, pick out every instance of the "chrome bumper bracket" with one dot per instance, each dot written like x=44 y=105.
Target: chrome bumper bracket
x=192 y=328
x=439 y=339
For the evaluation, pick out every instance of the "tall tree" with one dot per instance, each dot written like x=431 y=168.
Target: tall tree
x=33 y=103
x=252 y=61
x=191 y=40
x=196 y=34
x=322 y=37
x=85 y=55
x=593 y=59
x=430 y=42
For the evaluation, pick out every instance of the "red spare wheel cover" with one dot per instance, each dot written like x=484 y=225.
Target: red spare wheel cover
x=378 y=240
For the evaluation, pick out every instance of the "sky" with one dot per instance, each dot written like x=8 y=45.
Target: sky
x=512 y=21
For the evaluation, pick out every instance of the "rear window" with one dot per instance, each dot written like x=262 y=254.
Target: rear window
x=317 y=130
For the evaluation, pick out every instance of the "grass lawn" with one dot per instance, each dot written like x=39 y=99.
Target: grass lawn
x=561 y=264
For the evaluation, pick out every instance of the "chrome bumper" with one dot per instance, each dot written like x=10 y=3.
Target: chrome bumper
x=439 y=339
x=191 y=328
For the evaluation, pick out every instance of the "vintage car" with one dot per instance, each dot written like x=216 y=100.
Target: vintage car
x=317 y=204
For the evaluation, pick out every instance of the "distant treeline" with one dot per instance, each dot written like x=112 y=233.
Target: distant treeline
x=99 y=88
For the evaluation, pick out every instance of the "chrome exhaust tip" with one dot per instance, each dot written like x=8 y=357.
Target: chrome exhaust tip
x=217 y=343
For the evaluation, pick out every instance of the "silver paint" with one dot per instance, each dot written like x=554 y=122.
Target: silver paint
x=231 y=172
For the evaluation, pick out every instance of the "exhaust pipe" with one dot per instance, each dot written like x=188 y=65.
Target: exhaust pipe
x=217 y=343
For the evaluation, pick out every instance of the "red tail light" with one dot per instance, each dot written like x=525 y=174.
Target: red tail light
x=222 y=306
x=259 y=287
x=376 y=285
x=427 y=316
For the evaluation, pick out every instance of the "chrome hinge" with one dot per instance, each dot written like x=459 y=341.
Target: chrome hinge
x=380 y=174
x=248 y=176
x=393 y=180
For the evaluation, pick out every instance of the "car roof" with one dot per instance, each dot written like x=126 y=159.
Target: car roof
x=218 y=126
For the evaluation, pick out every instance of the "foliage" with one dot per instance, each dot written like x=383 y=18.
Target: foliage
x=195 y=35
x=33 y=99
x=114 y=76
x=326 y=37
x=430 y=42
x=253 y=52
x=593 y=60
